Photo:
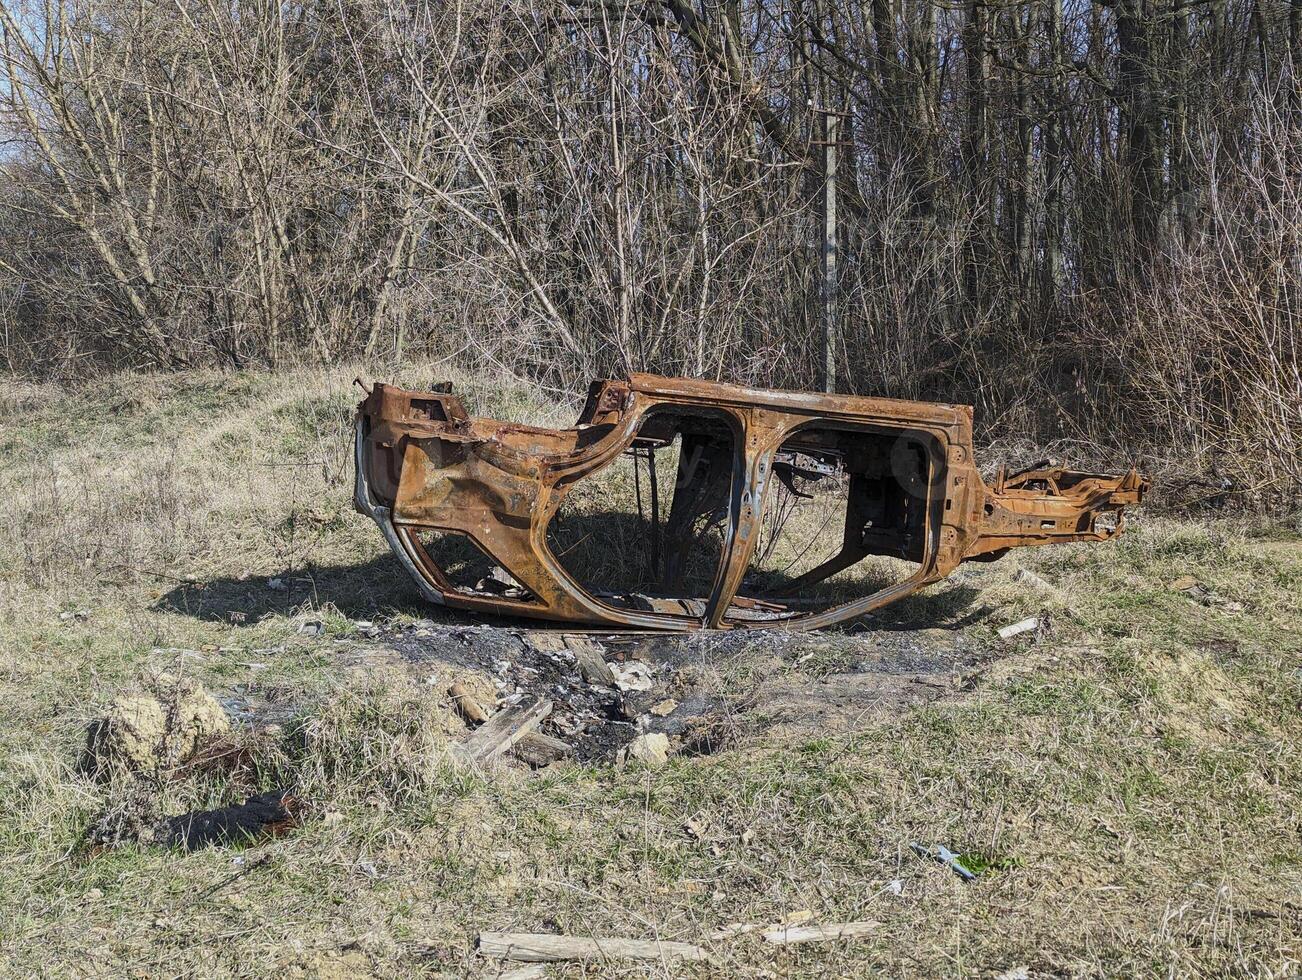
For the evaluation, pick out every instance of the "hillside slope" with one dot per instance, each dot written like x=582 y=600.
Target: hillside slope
x=1128 y=781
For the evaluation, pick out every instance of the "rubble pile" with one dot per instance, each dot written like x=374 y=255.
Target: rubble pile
x=597 y=707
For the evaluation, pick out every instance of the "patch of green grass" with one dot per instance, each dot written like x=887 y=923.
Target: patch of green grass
x=987 y=862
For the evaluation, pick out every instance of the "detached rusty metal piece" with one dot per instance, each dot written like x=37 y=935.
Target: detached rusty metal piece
x=430 y=474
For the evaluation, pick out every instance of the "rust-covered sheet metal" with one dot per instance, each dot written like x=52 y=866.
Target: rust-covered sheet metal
x=426 y=467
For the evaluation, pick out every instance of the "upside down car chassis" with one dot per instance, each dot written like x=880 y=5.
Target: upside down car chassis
x=425 y=466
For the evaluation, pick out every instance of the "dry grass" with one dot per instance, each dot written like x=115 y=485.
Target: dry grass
x=602 y=529
x=1133 y=779
x=799 y=534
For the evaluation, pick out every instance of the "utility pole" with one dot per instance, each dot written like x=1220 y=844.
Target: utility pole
x=827 y=351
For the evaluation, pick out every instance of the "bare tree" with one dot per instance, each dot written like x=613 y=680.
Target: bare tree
x=1101 y=194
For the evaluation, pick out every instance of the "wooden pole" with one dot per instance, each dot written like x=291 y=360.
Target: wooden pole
x=546 y=948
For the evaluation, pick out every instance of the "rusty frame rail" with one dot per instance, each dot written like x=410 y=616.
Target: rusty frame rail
x=423 y=463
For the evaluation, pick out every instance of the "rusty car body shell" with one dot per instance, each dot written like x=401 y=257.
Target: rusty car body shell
x=424 y=463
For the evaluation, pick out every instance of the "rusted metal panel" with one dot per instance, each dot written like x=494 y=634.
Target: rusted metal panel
x=428 y=469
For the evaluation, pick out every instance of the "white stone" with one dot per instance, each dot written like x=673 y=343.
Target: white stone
x=652 y=749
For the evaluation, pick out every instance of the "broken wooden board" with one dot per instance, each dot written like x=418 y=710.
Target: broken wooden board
x=533 y=971
x=538 y=750
x=504 y=729
x=589 y=654
x=830 y=932
x=789 y=921
x=592 y=660
x=535 y=947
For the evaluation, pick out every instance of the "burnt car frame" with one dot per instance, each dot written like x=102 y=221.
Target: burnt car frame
x=425 y=465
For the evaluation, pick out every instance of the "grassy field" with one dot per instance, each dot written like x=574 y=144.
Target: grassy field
x=1130 y=781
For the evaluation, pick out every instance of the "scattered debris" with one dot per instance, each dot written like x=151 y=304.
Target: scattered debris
x=466 y=705
x=264 y=815
x=632 y=676
x=946 y=857
x=1203 y=596
x=156 y=730
x=1024 y=576
x=830 y=932
x=80 y=615
x=500 y=666
x=504 y=730
x=1016 y=629
x=650 y=749
x=313 y=627
x=547 y=948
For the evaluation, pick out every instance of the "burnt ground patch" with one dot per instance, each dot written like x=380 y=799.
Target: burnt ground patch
x=705 y=691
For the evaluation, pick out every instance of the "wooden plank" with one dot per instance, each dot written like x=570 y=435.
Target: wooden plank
x=830 y=932
x=790 y=920
x=504 y=729
x=539 y=750
x=592 y=660
x=533 y=971
x=535 y=947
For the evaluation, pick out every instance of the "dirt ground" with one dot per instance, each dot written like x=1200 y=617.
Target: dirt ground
x=1125 y=780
